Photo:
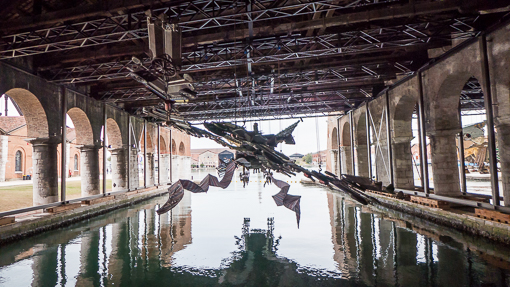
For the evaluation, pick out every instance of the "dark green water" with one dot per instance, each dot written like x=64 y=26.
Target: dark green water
x=238 y=237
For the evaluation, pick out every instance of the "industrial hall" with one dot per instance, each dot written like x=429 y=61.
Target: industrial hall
x=255 y=142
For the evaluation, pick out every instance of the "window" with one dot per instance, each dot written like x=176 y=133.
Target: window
x=75 y=162
x=18 y=162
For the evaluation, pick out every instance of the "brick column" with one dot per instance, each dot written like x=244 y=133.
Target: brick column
x=334 y=161
x=89 y=170
x=150 y=169
x=119 y=169
x=4 y=153
x=403 y=162
x=345 y=155
x=134 y=175
x=444 y=163
x=45 y=168
x=362 y=155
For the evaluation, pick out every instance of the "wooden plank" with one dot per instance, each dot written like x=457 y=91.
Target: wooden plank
x=97 y=200
x=429 y=202
x=63 y=208
x=392 y=195
x=6 y=220
x=492 y=215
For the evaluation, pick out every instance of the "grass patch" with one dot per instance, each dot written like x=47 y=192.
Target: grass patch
x=20 y=196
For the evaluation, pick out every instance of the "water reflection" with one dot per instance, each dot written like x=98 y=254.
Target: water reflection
x=238 y=237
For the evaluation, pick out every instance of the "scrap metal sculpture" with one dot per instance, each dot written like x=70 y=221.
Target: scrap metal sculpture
x=257 y=151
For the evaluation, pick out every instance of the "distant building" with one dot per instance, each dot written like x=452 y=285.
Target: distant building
x=209 y=158
x=319 y=157
x=18 y=162
x=296 y=156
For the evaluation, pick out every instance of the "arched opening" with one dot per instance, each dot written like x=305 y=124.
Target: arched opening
x=345 y=149
x=162 y=144
x=114 y=136
x=405 y=144
x=182 y=149
x=174 y=148
x=334 y=139
x=334 y=151
x=459 y=137
x=360 y=147
x=116 y=157
x=80 y=145
x=472 y=141
x=81 y=123
x=27 y=105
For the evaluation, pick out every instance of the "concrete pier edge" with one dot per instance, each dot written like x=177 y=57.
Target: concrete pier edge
x=31 y=225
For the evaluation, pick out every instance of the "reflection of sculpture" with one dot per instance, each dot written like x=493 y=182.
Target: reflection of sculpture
x=256 y=151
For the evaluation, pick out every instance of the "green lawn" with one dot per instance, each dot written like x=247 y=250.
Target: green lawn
x=20 y=196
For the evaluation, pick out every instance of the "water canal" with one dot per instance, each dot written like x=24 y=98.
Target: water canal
x=239 y=237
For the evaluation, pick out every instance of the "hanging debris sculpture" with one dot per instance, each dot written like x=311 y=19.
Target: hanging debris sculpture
x=256 y=151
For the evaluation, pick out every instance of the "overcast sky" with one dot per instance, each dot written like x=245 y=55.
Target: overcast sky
x=304 y=135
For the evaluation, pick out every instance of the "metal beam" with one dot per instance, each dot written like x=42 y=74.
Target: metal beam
x=145 y=153
x=105 y=119
x=388 y=139
x=424 y=163
x=369 y=138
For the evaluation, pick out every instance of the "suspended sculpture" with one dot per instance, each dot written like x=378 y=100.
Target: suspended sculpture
x=256 y=151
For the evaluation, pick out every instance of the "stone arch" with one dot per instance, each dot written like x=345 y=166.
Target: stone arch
x=345 y=149
x=84 y=133
x=174 y=147
x=442 y=131
x=334 y=139
x=33 y=111
x=445 y=105
x=162 y=143
x=150 y=144
x=345 y=139
x=114 y=134
x=182 y=149
x=360 y=136
x=402 y=135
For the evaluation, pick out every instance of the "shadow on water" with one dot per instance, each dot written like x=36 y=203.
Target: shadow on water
x=237 y=237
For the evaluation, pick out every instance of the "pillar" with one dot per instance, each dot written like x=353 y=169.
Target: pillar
x=150 y=169
x=503 y=137
x=445 y=163
x=165 y=167
x=68 y=159
x=362 y=156
x=45 y=168
x=403 y=162
x=4 y=153
x=89 y=170
x=134 y=175
x=382 y=162
x=334 y=161
x=345 y=155
x=176 y=172
x=119 y=169
x=185 y=166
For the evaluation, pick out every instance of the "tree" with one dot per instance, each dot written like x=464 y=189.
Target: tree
x=308 y=158
x=202 y=165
